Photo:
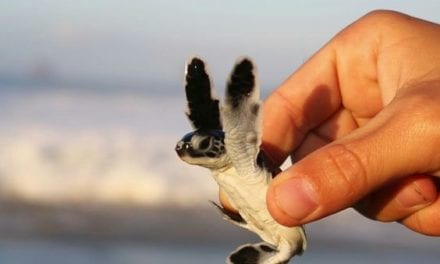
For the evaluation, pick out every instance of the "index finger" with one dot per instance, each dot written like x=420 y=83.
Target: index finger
x=342 y=73
x=307 y=98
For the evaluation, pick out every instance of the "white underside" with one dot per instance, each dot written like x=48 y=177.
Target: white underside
x=248 y=195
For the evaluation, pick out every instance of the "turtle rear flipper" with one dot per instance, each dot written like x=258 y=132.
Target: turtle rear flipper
x=242 y=118
x=259 y=253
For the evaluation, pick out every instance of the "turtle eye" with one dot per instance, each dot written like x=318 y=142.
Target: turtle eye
x=205 y=143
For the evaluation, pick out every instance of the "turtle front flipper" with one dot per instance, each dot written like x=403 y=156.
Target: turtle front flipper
x=242 y=118
x=203 y=108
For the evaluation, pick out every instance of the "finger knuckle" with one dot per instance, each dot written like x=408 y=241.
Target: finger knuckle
x=419 y=113
x=346 y=170
x=372 y=24
x=421 y=100
x=424 y=221
x=383 y=15
x=421 y=227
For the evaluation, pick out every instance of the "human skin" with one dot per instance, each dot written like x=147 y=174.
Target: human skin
x=361 y=119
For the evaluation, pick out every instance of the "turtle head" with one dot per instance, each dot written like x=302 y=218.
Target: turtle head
x=205 y=148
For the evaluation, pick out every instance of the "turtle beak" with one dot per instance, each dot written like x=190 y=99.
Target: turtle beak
x=180 y=149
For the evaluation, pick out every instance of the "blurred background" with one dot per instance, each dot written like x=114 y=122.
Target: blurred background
x=92 y=103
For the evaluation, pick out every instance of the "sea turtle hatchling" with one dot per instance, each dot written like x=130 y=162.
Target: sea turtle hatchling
x=227 y=141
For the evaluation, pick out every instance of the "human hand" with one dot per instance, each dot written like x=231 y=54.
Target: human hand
x=362 y=120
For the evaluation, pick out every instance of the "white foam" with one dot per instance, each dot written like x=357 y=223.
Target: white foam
x=78 y=147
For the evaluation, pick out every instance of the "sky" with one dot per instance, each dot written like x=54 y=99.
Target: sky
x=147 y=42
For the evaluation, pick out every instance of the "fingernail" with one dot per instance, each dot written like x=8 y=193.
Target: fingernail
x=412 y=197
x=296 y=198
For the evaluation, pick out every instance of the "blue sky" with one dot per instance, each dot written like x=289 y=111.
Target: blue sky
x=147 y=42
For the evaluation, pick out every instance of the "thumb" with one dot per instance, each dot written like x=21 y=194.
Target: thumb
x=393 y=144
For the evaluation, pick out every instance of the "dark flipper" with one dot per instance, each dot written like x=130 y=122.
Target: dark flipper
x=203 y=110
x=231 y=216
x=241 y=82
x=254 y=254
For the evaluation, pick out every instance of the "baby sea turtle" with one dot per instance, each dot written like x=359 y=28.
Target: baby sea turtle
x=227 y=141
